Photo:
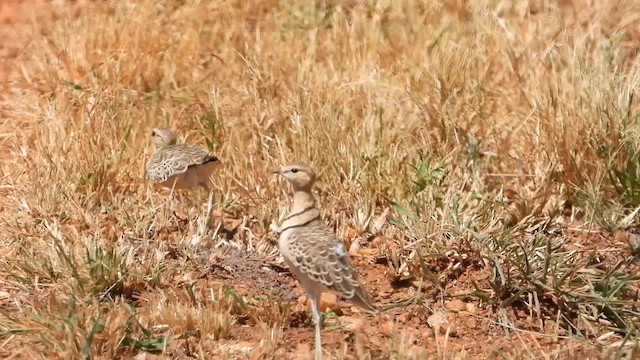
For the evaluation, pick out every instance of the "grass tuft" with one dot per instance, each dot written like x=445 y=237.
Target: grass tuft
x=484 y=151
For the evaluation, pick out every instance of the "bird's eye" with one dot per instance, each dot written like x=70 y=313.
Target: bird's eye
x=294 y=170
x=153 y=133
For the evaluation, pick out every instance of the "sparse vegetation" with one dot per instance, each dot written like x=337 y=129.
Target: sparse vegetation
x=476 y=151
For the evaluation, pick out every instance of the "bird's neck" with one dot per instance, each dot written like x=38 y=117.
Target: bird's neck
x=303 y=209
x=162 y=146
x=302 y=199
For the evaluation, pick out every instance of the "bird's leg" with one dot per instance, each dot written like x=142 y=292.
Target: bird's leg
x=207 y=188
x=315 y=308
x=173 y=201
x=210 y=202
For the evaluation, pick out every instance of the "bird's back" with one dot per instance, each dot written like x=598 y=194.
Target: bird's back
x=316 y=254
x=176 y=159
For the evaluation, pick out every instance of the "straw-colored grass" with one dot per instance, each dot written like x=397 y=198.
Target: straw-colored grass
x=487 y=129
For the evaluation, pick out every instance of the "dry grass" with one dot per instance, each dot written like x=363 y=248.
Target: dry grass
x=488 y=131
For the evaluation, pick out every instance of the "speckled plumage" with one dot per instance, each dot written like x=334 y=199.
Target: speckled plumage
x=317 y=255
x=179 y=166
x=314 y=255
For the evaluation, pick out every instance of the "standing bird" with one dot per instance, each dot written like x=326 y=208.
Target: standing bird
x=179 y=166
x=314 y=254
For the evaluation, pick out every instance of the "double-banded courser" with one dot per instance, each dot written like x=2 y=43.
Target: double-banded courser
x=312 y=251
x=179 y=166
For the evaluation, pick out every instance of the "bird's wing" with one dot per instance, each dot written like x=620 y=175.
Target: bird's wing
x=176 y=159
x=318 y=254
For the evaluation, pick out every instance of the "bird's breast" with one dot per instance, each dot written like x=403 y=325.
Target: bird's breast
x=283 y=242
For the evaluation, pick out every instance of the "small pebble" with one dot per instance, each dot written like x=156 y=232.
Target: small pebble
x=329 y=301
x=472 y=308
x=456 y=305
x=388 y=328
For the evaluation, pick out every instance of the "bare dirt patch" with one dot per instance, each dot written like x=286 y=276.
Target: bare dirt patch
x=474 y=256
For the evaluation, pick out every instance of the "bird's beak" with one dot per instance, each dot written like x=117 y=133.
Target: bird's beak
x=277 y=171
